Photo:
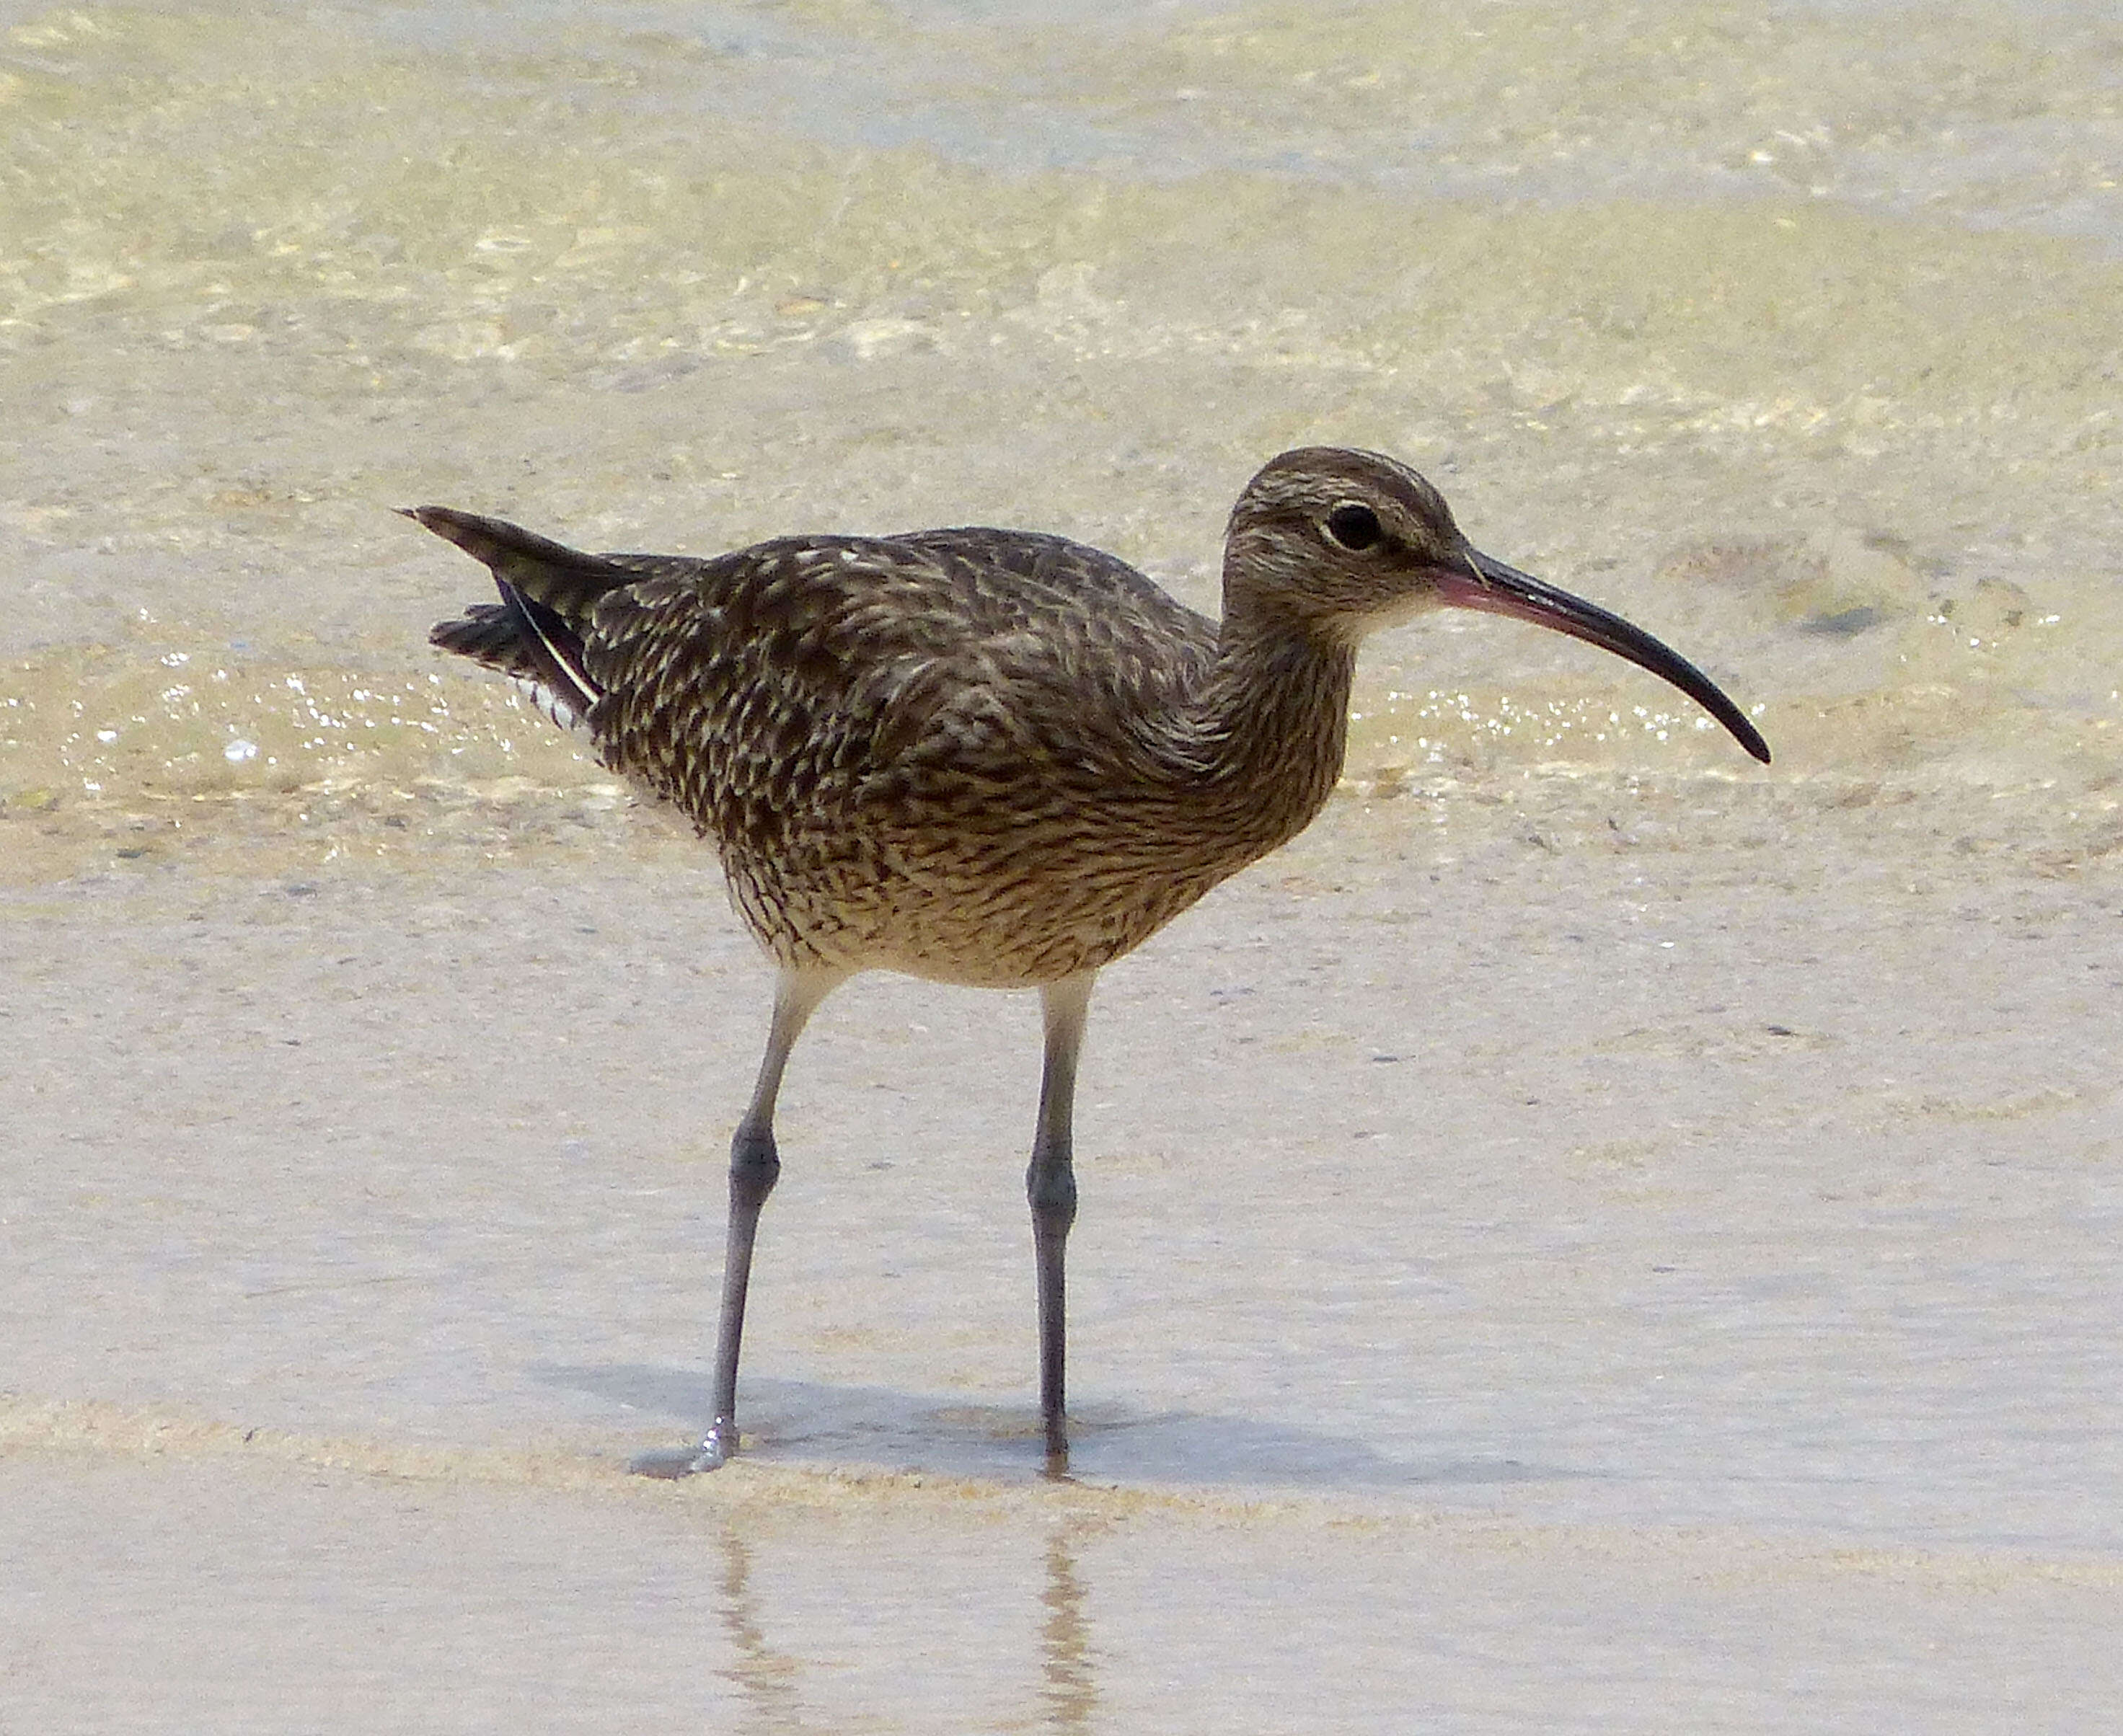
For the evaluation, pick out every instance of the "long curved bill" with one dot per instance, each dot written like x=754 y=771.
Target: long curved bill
x=1497 y=589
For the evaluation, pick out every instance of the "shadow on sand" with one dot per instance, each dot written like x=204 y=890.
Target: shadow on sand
x=800 y=1421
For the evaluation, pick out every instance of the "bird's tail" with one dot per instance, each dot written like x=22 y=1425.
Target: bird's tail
x=535 y=632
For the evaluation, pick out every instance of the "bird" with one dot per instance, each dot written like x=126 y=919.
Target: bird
x=996 y=758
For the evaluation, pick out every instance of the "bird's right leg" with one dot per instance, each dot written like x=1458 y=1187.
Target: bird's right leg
x=1050 y=1184
x=755 y=1167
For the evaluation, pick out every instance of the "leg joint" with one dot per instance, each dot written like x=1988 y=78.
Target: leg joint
x=755 y=1165
x=1050 y=1185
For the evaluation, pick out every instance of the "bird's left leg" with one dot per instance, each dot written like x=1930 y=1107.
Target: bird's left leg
x=754 y=1166
x=1050 y=1184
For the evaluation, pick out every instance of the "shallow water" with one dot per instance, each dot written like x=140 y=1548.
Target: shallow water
x=1582 y=1132
x=1846 y=434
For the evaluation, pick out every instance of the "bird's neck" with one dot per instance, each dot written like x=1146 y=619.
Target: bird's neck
x=1271 y=725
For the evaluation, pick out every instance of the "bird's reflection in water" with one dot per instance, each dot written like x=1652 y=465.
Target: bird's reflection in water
x=767 y=1679
x=1068 y=1688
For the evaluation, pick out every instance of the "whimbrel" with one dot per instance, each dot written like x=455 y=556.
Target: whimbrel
x=989 y=757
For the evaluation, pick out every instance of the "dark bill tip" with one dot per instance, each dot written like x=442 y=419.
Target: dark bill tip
x=1497 y=589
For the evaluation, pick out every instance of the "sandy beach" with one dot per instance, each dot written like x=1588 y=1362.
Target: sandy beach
x=1595 y=1236
x=1737 y=1358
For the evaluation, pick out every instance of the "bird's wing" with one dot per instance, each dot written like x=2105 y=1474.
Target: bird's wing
x=835 y=658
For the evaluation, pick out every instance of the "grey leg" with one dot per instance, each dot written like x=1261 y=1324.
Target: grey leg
x=1050 y=1184
x=755 y=1167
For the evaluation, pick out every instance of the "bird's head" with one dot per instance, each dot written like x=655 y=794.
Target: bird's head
x=1337 y=543
x=1345 y=542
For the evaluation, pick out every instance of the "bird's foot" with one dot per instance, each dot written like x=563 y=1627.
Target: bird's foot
x=712 y=1454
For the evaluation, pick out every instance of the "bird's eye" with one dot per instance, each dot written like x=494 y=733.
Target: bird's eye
x=1355 y=526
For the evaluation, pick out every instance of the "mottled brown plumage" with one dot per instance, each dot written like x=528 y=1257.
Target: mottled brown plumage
x=989 y=757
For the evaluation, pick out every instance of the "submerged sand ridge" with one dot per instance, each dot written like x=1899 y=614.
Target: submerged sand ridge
x=1054 y=1609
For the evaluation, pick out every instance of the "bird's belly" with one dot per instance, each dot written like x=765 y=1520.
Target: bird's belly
x=997 y=917
x=1012 y=872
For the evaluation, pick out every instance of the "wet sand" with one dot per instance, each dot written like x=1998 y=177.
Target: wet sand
x=304 y=1584
x=1737 y=1358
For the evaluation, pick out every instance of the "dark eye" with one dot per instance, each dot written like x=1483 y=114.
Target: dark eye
x=1354 y=526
